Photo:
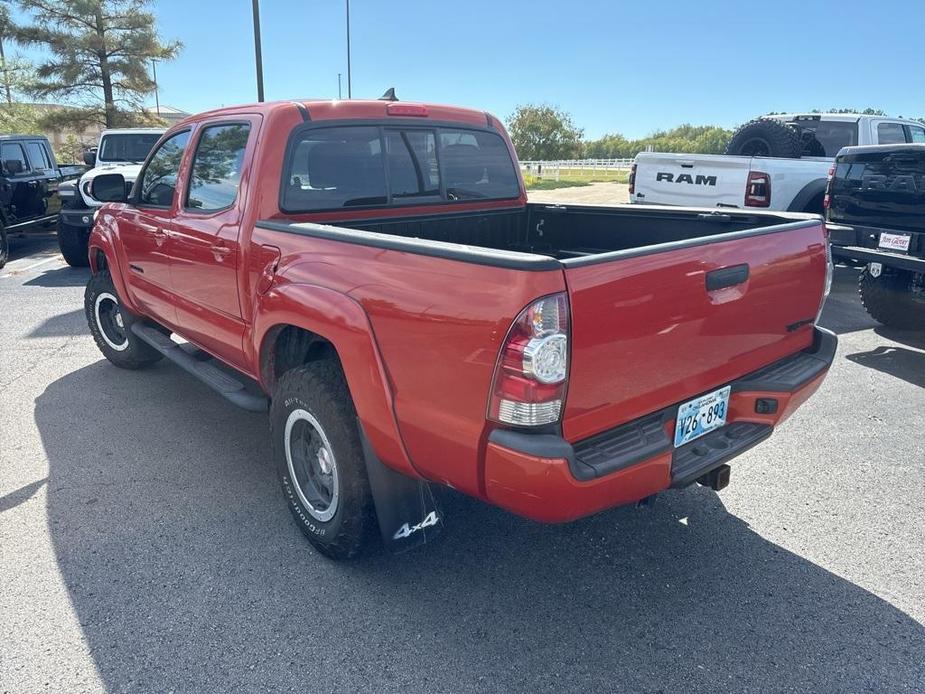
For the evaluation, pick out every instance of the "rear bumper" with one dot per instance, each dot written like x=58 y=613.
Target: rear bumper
x=544 y=477
x=859 y=244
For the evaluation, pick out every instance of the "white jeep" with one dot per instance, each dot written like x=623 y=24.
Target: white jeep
x=120 y=151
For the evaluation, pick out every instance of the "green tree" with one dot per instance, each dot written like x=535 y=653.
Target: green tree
x=100 y=52
x=541 y=132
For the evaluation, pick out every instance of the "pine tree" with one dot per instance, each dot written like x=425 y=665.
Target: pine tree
x=99 y=52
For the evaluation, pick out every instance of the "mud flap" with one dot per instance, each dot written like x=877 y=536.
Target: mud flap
x=405 y=507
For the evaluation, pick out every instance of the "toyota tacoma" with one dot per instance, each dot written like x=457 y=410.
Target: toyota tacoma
x=372 y=274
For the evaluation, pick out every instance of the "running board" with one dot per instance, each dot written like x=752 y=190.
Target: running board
x=218 y=380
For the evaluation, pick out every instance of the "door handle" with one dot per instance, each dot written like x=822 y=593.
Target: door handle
x=221 y=251
x=726 y=277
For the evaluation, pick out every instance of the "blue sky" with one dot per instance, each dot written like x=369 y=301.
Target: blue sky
x=629 y=67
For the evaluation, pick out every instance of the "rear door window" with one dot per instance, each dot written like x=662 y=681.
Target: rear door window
x=890 y=134
x=915 y=133
x=38 y=157
x=217 y=165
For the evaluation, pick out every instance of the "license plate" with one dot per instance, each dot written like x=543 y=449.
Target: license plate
x=894 y=242
x=701 y=416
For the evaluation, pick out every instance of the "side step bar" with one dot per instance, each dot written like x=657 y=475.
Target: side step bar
x=221 y=382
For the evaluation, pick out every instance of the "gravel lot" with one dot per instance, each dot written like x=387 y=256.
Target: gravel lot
x=145 y=546
x=594 y=193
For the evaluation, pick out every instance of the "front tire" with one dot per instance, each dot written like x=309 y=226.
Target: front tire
x=110 y=325
x=892 y=298
x=74 y=244
x=319 y=456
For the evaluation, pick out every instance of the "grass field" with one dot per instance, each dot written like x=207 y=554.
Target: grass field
x=569 y=178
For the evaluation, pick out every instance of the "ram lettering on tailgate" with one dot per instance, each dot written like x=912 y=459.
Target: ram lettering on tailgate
x=698 y=180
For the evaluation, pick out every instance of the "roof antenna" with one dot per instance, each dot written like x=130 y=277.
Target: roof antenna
x=389 y=95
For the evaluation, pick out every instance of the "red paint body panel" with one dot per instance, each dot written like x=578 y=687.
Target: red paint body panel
x=646 y=333
x=418 y=336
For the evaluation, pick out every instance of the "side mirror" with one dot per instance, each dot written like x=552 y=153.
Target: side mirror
x=90 y=158
x=13 y=166
x=109 y=188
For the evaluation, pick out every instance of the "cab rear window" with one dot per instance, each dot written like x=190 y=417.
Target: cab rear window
x=367 y=166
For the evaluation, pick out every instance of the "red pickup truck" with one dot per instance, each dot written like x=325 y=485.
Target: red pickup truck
x=372 y=273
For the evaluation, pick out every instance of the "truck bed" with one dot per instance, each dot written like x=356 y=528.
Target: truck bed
x=573 y=232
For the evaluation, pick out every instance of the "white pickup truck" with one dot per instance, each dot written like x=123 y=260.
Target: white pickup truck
x=778 y=162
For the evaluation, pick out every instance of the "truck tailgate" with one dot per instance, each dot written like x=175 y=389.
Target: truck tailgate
x=696 y=180
x=648 y=333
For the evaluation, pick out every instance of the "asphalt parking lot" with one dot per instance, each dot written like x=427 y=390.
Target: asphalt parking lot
x=145 y=546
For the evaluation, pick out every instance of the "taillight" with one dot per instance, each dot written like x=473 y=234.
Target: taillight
x=633 y=179
x=829 y=272
x=758 y=189
x=532 y=370
x=827 y=200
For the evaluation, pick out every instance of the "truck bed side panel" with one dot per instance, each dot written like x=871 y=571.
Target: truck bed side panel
x=645 y=329
x=439 y=325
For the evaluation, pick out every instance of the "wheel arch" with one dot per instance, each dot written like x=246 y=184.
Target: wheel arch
x=804 y=201
x=299 y=323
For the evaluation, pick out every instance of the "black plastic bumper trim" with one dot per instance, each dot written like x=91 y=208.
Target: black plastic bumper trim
x=645 y=437
x=707 y=453
x=870 y=255
x=790 y=373
x=73 y=218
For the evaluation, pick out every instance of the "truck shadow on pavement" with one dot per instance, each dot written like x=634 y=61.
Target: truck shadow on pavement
x=900 y=362
x=186 y=573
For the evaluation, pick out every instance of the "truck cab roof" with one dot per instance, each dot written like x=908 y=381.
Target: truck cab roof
x=354 y=109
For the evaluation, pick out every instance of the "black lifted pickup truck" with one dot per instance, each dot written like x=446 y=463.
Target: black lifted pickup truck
x=29 y=180
x=876 y=211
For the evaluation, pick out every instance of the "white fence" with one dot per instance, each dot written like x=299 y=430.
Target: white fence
x=552 y=169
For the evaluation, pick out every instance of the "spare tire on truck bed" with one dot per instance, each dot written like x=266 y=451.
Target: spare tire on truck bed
x=766 y=137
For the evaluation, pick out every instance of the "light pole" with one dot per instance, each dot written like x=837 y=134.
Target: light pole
x=349 y=85
x=157 y=101
x=257 y=52
x=338 y=86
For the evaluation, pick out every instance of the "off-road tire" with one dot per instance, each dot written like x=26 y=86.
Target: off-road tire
x=888 y=298
x=74 y=244
x=319 y=388
x=4 y=247
x=766 y=137
x=126 y=350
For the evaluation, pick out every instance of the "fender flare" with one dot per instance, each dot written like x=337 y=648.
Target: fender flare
x=343 y=322
x=811 y=190
x=102 y=240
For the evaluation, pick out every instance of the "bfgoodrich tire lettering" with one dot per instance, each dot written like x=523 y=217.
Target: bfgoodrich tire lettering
x=110 y=324
x=316 y=396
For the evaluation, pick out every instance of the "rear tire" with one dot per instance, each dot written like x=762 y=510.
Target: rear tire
x=319 y=456
x=766 y=137
x=110 y=325
x=4 y=247
x=74 y=244
x=890 y=298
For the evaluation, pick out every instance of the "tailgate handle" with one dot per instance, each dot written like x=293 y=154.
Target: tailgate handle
x=726 y=277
